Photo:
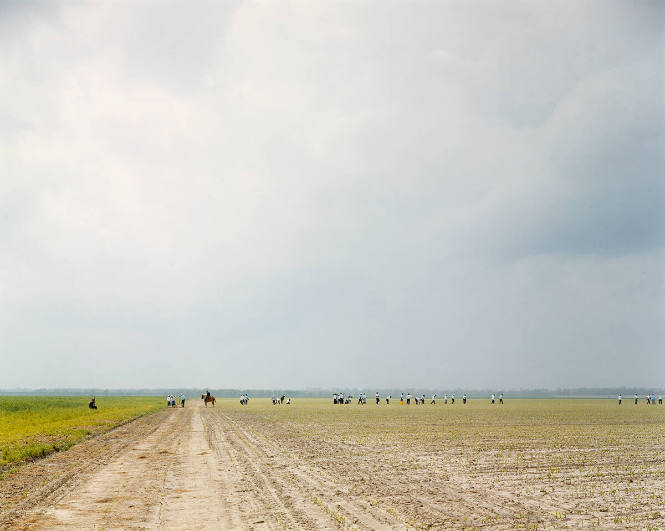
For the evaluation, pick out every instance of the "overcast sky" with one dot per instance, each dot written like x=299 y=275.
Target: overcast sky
x=271 y=194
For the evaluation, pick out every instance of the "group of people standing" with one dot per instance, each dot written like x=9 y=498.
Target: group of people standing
x=171 y=400
x=339 y=398
x=650 y=399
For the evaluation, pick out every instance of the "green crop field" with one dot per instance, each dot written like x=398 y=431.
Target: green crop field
x=36 y=426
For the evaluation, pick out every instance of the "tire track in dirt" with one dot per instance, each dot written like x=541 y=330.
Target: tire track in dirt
x=197 y=485
x=347 y=510
x=357 y=510
x=276 y=499
x=478 y=504
x=241 y=508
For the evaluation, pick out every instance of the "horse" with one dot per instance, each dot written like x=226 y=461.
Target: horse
x=207 y=399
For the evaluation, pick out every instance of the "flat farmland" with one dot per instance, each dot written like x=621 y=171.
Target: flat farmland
x=529 y=464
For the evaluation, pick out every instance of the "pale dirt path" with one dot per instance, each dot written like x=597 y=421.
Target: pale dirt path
x=169 y=479
x=197 y=469
x=165 y=480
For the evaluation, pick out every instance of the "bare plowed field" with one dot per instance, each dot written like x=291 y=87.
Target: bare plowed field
x=312 y=465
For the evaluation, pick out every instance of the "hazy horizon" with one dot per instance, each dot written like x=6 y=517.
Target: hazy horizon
x=264 y=195
x=476 y=394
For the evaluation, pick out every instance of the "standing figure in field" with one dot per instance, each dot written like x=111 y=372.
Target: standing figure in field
x=500 y=398
x=401 y=398
x=408 y=399
x=92 y=404
x=445 y=399
x=619 y=397
x=660 y=400
x=636 y=399
x=433 y=399
x=377 y=397
x=492 y=398
x=452 y=399
x=360 y=399
x=208 y=398
x=281 y=400
x=387 y=400
x=648 y=399
x=335 y=398
x=422 y=400
x=464 y=398
x=182 y=400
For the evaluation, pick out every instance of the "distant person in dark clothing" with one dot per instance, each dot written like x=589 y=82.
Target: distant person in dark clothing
x=92 y=404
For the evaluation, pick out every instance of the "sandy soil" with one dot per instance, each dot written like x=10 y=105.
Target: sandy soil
x=221 y=468
x=191 y=468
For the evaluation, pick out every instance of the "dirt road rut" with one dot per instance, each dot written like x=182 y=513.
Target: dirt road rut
x=192 y=468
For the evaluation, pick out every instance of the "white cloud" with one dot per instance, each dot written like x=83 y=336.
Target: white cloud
x=312 y=182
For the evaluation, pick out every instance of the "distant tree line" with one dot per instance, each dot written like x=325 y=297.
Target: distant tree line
x=579 y=392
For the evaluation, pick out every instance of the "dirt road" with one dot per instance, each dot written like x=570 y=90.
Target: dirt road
x=192 y=468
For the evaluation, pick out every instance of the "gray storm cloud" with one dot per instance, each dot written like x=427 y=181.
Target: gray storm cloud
x=327 y=194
